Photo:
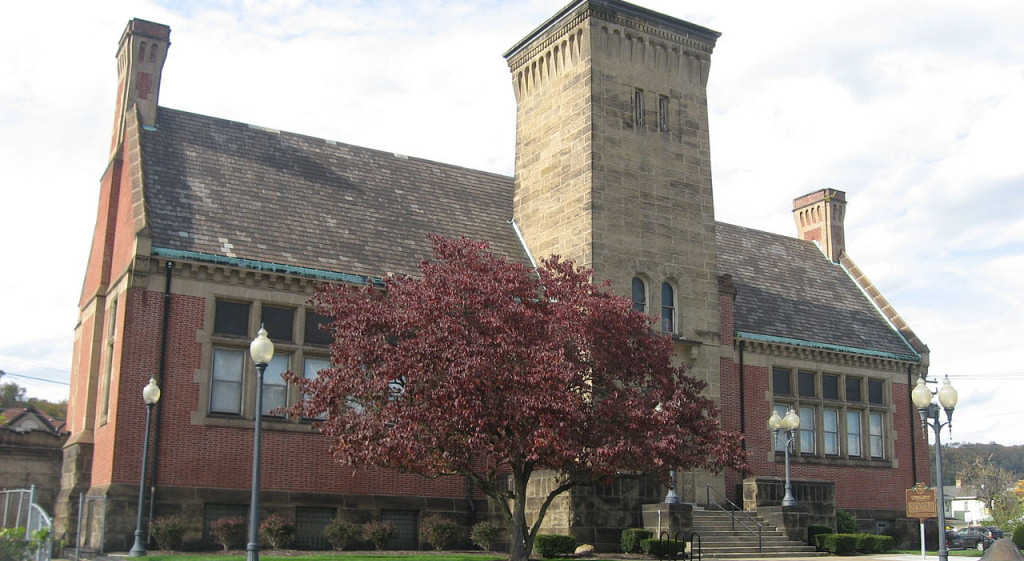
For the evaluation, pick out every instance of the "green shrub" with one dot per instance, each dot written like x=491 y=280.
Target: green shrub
x=553 y=545
x=229 y=532
x=1018 y=536
x=484 y=534
x=631 y=538
x=846 y=523
x=439 y=531
x=877 y=544
x=168 y=531
x=14 y=546
x=277 y=531
x=342 y=532
x=378 y=532
x=662 y=548
x=840 y=544
x=814 y=530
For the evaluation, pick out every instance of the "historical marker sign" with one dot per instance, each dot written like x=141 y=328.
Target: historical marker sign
x=921 y=502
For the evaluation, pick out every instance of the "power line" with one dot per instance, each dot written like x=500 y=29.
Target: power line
x=6 y=373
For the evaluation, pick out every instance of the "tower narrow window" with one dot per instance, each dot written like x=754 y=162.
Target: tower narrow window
x=639 y=295
x=638 y=107
x=668 y=308
x=663 y=113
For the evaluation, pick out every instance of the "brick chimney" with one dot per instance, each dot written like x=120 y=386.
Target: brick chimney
x=140 y=62
x=819 y=218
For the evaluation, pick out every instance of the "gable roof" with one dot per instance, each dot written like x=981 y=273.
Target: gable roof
x=235 y=191
x=228 y=191
x=26 y=419
x=788 y=291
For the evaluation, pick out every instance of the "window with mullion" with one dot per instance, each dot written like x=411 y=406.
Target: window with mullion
x=311 y=369
x=876 y=441
x=275 y=388
x=853 y=434
x=830 y=425
x=808 y=438
x=780 y=436
x=226 y=384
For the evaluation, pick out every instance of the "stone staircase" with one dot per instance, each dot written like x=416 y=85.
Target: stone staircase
x=719 y=539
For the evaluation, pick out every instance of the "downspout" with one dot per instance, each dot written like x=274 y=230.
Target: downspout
x=160 y=380
x=743 y=407
x=913 y=427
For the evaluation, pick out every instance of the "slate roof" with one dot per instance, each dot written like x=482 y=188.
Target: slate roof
x=233 y=190
x=236 y=191
x=786 y=288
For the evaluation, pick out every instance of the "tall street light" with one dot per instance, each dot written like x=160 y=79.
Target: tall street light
x=150 y=395
x=785 y=427
x=262 y=351
x=929 y=411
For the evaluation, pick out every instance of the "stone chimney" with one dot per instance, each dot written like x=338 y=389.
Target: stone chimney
x=819 y=218
x=140 y=62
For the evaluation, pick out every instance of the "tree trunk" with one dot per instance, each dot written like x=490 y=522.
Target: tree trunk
x=522 y=545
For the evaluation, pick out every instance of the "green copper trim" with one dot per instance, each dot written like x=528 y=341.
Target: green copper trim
x=264 y=266
x=911 y=357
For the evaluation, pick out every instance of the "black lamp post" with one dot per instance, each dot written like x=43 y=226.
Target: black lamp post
x=785 y=427
x=262 y=351
x=929 y=412
x=150 y=395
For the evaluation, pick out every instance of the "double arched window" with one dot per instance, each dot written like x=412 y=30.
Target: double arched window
x=668 y=302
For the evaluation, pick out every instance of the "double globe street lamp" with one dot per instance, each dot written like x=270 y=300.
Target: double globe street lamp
x=929 y=412
x=785 y=427
x=262 y=352
x=150 y=395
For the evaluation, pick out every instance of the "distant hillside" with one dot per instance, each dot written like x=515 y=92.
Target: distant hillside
x=1010 y=458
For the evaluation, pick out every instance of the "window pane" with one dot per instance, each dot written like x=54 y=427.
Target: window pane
x=311 y=369
x=780 y=436
x=226 y=381
x=806 y=383
x=853 y=446
x=875 y=392
x=278 y=323
x=830 y=386
x=780 y=383
x=807 y=424
x=831 y=429
x=639 y=295
x=231 y=318
x=853 y=389
x=275 y=389
x=668 y=310
x=315 y=334
x=875 y=433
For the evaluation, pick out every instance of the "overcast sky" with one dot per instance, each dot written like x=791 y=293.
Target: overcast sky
x=914 y=108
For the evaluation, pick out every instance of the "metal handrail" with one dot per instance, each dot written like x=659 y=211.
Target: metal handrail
x=732 y=515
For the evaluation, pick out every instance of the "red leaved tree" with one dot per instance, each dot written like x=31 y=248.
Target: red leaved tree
x=489 y=369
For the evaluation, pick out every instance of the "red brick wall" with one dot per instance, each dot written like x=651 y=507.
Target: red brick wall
x=887 y=485
x=216 y=457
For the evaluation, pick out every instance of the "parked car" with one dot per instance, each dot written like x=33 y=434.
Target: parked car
x=975 y=537
x=953 y=540
x=996 y=532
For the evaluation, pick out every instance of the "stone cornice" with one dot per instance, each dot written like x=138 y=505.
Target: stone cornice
x=825 y=355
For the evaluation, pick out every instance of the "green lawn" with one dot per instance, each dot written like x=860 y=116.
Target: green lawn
x=952 y=552
x=316 y=556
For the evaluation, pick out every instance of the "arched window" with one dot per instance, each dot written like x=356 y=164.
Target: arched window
x=668 y=308
x=639 y=295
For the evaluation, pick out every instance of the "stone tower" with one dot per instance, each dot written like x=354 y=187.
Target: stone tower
x=613 y=170
x=612 y=153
